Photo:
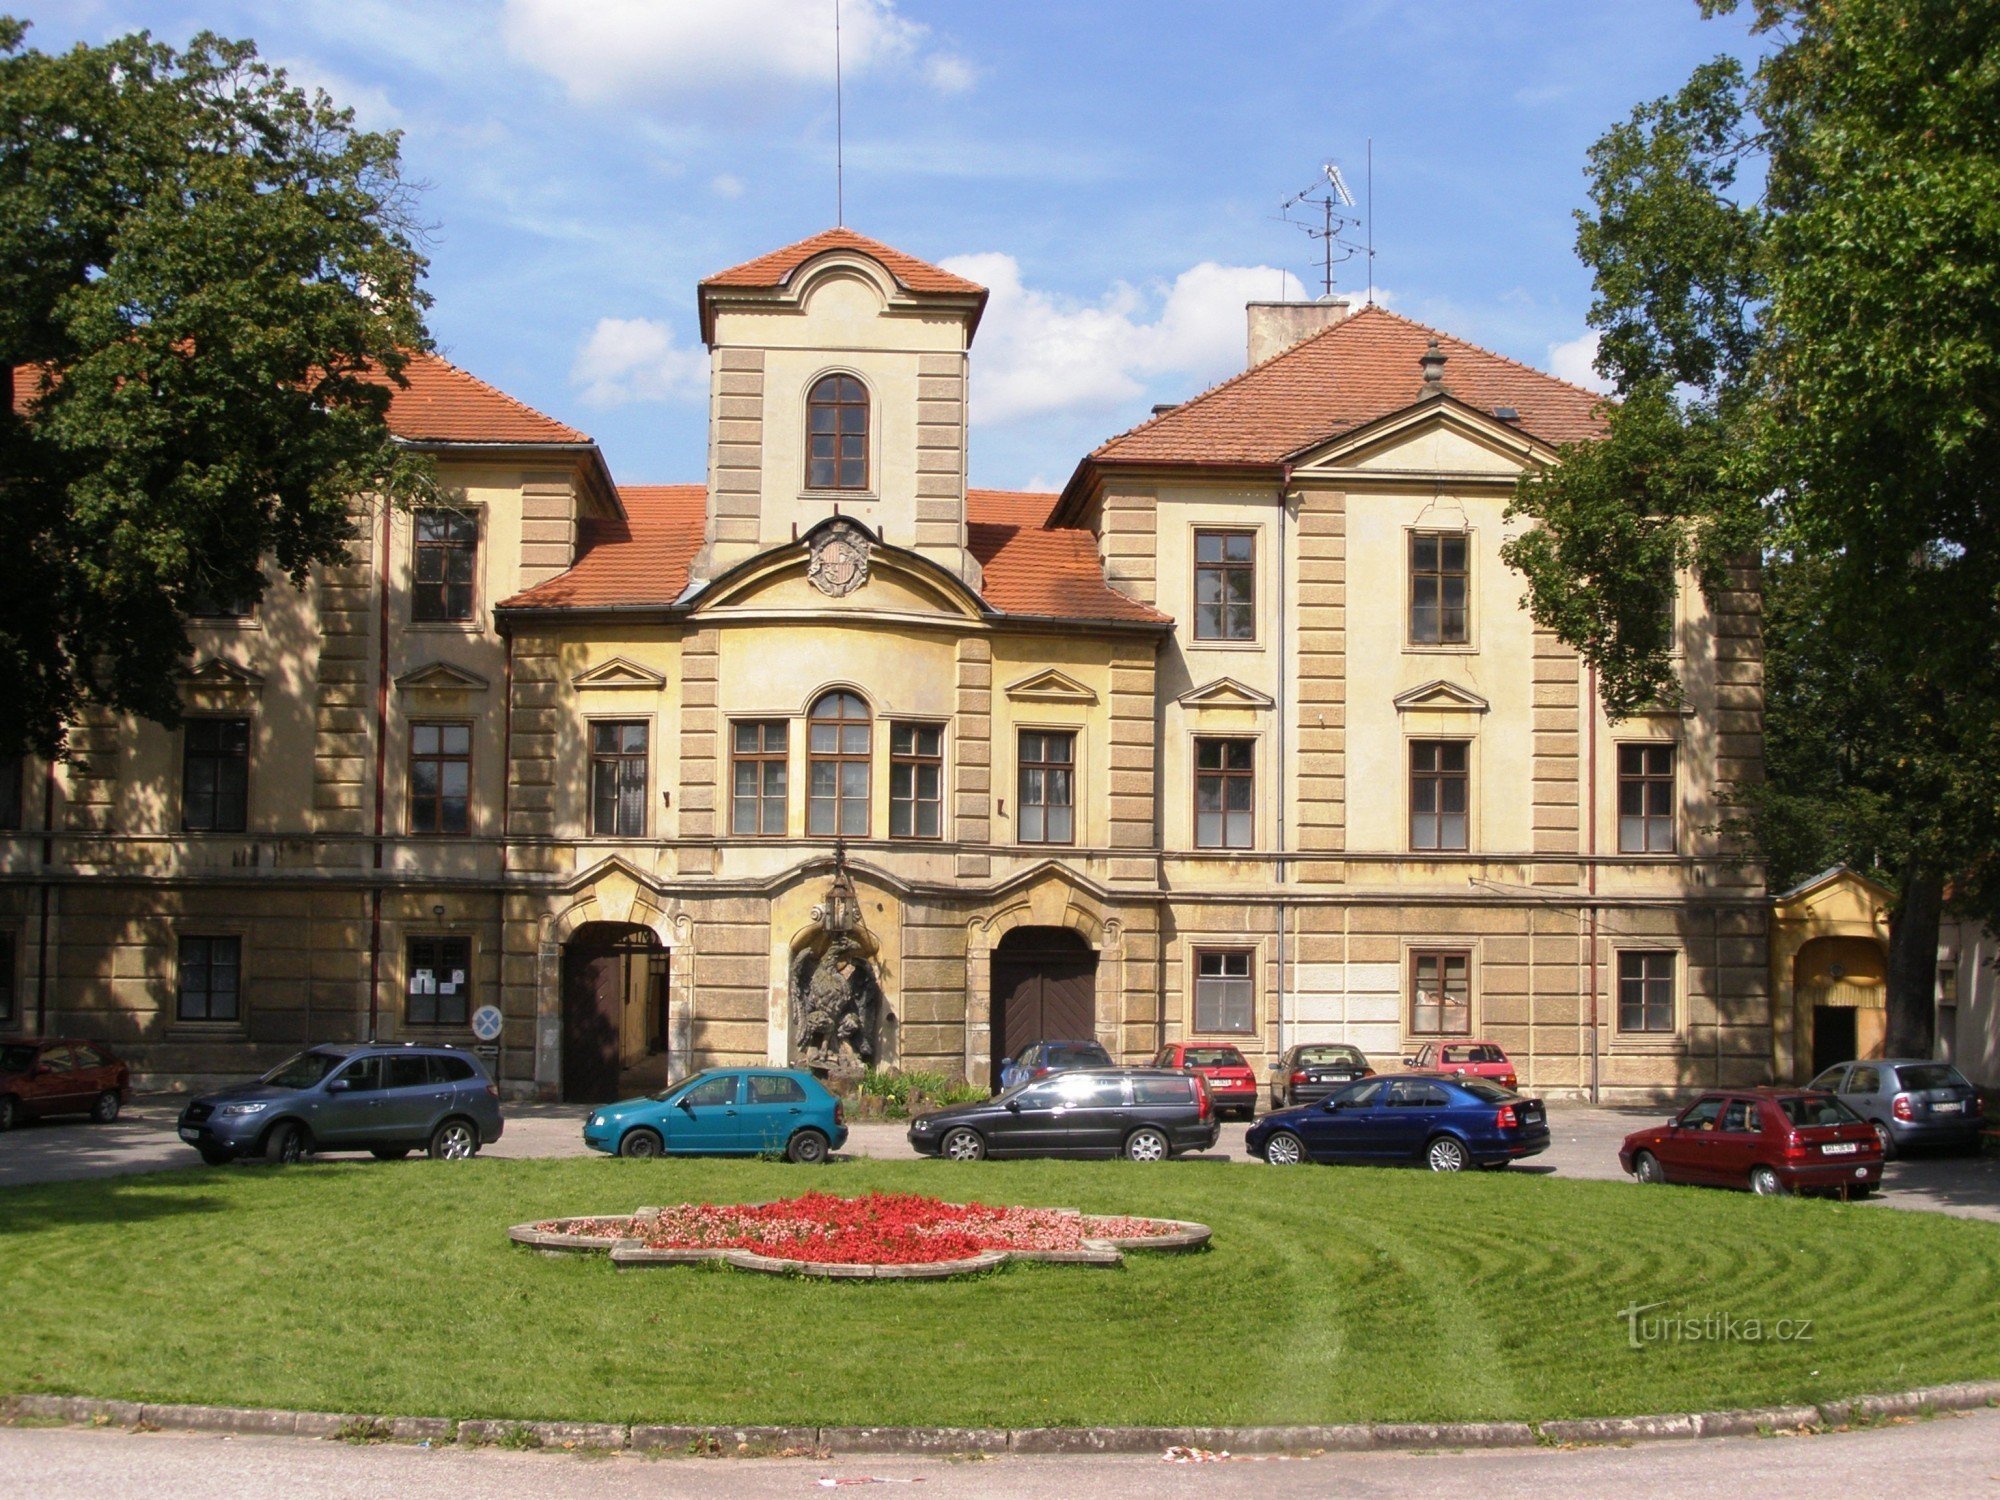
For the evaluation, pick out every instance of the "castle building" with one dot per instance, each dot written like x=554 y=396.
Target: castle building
x=1244 y=737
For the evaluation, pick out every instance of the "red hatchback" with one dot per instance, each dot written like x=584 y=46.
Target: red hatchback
x=1770 y=1141
x=57 y=1076
x=1230 y=1081
x=1464 y=1060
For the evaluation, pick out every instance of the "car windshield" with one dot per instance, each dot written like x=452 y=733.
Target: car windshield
x=1214 y=1057
x=1085 y=1056
x=1331 y=1055
x=303 y=1071
x=669 y=1094
x=1932 y=1076
x=1817 y=1109
x=16 y=1059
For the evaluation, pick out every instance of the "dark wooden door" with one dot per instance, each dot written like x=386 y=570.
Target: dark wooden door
x=593 y=1006
x=1833 y=1037
x=1044 y=986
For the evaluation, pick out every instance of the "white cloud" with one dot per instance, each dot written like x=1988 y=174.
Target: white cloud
x=948 y=74
x=621 y=49
x=726 y=185
x=636 y=359
x=1575 y=362
x=1038 y=352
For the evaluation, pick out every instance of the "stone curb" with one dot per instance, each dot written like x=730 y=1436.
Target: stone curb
x=700 y=1439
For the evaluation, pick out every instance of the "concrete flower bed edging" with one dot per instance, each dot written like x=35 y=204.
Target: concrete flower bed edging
x=712 y=1440
x=626 y=1254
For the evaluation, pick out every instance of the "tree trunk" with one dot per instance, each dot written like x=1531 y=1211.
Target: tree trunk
x=1913 y=942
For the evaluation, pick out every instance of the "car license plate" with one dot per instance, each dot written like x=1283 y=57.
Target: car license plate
x=190 y=1134
x=1948 y=1107
x=1842 y=1148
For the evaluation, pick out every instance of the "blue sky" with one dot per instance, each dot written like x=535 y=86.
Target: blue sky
x=1112 y=170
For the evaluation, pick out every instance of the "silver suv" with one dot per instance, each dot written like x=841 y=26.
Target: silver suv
x=1909 y=1101
x=389 y=1099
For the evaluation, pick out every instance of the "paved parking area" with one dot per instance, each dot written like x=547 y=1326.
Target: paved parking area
x=1584 y=1144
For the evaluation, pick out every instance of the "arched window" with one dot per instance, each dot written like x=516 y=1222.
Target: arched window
x=837 y=766
x=837 y=434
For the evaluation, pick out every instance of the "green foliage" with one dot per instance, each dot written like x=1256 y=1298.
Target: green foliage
x=204 y=275
x=910 y=1092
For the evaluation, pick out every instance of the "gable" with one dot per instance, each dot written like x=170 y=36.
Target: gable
x=1050 y=686
x=619 y=672
x=1436 y=437
x=1224 y=692
x=1439 y=696
x=442 y=676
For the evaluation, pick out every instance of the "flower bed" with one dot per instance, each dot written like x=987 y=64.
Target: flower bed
x=905 y=1234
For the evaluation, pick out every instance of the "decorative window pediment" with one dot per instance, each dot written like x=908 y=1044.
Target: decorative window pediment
x=1224 y=692
x=442 y=676
x=217 y=673
x=1441 y=697
x=1050 y=686
x=619 y=672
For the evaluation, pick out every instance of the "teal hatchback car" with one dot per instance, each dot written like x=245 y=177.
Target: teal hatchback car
x=725 y=1112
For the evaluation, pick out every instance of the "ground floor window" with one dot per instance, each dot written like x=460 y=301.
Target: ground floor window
x=1441 y=994
x=1646 y=991
x=438 y=990
x=1223 y=999
x=6 y=978
x=210 y=979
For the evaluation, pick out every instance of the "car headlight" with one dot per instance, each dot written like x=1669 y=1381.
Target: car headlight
x=593 y=1122
x=921 y=1125
x=256 y=1107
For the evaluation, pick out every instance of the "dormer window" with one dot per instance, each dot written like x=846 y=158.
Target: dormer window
x=837 y=434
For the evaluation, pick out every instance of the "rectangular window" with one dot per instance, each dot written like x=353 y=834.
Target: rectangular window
x=916 y=781
x=211 y=979
x=1223 y=1000
x=13 y=775
x=618 y=779
x=1440 y=792
x=1441 y=994
x=1225 y=794
x=438 y=991
x=1646 y=991
x=759 y=793
x=1440 y=584
x=1645 y=799
x=215 y=775
x=1225 y=585
x=447 y=556
x=440 y=778
x=1048 y=788
x=6 y=978
x=838 y=767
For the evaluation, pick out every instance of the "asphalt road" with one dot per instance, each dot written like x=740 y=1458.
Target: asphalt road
x=1584 y=1144
x=1958 y=1455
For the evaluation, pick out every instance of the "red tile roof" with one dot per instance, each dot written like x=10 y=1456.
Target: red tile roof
x=1343 y=377
x=444 y=404
x=1030 y=570
x=776 y=268
x=640 y=560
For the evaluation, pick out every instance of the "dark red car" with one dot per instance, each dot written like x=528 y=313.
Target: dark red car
x=1770 y=1141
x=1230 y=1082
x=1465 y=1060
x=60 y=1076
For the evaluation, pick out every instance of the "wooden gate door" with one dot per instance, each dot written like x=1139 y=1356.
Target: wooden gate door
x=593 y=1006
x=1044 y=987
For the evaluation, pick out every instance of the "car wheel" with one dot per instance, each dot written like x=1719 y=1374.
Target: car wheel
x=215 y=1156
x=1147 y=1143
x=641 y=1144
x=1445 y=1154
x=1860 y=1190
x=1765 y=1183
x=1888 y=1141
x=105 y=1110
x=962 y=1144
x=454 y=1140
x=388 y=1153
x=808 y=1148
x=1284 y=1149
x=285 y=1144
x=1646 y=1167
x=10 y=1112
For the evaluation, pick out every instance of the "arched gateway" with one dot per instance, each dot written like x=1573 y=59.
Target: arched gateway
x=614 y=1011
x=1044 y=985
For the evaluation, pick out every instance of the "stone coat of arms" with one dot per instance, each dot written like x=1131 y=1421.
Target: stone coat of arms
x=839 y=562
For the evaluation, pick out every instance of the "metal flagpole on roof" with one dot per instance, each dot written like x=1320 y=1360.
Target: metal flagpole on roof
x=839 y=130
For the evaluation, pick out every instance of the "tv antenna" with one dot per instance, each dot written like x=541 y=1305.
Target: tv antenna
x=839 y=129
x=1324 y=210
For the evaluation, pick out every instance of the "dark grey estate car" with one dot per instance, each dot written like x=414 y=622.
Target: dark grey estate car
x=387 y=1098
x=1143 y=1114
x=1910 y=1101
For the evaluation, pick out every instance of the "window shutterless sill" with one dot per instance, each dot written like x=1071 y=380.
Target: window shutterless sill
x=446 y=627
x=835 y=497
x=208 y=1031
x=1443 y=648
x=1198 y=643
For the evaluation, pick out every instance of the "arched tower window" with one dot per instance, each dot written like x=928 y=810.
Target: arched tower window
x=837 y=766
x=837 y=434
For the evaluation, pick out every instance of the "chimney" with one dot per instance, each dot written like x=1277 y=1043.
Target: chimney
x=1276 y=326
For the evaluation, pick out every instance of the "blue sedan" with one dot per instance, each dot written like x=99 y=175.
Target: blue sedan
x=1446 y=1123
x=725 y=1112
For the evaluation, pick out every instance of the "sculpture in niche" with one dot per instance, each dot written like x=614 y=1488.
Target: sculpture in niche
x=839 y=562
x=837 y=1004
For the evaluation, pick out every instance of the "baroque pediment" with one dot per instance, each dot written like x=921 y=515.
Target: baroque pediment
x=1440 y=696
x=1224 y=692
x=619 y=672
x=442 y=676
x=214 y=672
x=1050 y=686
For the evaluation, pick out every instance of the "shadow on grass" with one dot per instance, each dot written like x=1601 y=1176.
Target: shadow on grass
x=112 y=1201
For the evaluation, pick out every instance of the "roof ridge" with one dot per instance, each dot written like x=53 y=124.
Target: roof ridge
x=841 y=237
x=511 y=400
x=1505 y=359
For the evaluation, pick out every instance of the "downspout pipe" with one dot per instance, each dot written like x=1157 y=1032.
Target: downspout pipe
x=381 y=767
x=1590 y=864
x=48 y=896
x=1279 y=741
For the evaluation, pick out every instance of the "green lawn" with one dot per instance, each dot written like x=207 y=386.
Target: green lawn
x=1329 y=1295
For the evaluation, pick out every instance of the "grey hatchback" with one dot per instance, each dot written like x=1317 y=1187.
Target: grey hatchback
x=1910 y=1101
x=388 y=1099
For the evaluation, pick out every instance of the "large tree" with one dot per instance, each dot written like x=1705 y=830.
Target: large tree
x=206 y=277
x=1798 y=295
